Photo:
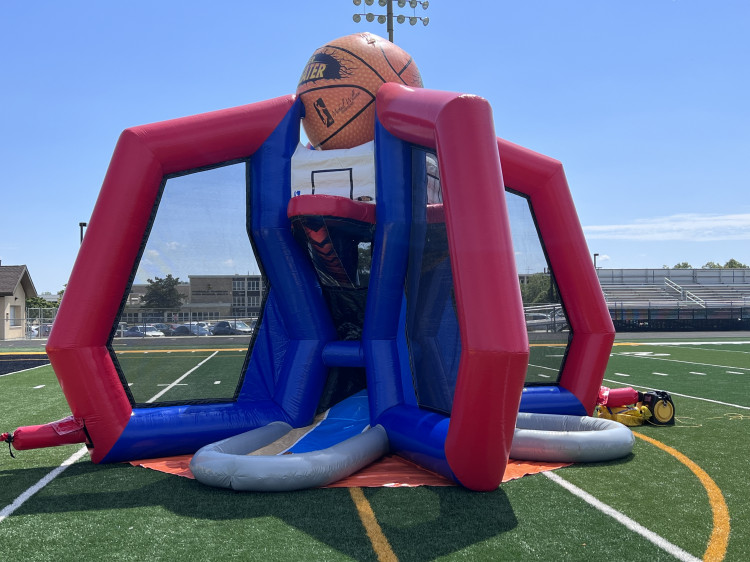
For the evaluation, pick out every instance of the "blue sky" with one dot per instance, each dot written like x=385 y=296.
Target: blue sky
x=644 y=101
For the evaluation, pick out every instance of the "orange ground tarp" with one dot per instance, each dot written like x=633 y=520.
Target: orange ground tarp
x=390 y=471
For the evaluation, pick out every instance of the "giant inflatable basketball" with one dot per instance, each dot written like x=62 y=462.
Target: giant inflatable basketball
x=339 y=83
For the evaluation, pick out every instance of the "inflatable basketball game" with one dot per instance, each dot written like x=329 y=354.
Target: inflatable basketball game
x=393 y=299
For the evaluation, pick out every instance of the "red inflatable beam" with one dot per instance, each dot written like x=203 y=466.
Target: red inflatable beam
x=67 y=431
x=144 y=155
x=495 y=347
x=542 y=179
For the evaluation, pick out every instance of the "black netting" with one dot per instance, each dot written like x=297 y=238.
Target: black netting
x=431 y=321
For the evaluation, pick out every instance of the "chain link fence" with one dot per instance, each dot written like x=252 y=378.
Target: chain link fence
x=679 y=318
x=32 y=323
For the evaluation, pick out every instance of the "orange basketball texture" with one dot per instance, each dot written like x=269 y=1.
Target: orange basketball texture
x=339 y=83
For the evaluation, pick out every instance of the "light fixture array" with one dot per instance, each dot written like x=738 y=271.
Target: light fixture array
x=390 y=16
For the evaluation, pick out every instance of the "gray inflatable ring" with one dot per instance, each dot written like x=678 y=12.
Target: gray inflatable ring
x=556 y=438
x=228 y=464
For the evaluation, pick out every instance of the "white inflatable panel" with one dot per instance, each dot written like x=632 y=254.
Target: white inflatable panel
x=346 y=172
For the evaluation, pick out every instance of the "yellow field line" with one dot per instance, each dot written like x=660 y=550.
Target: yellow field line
x=717 y=544
x=118 y=351
x=181 y=349
x=380 y=543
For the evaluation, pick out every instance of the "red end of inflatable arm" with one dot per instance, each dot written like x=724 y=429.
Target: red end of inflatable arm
x=67 y=431
x=618 y=396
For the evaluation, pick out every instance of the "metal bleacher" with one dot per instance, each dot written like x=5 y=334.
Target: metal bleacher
x=638 y=294
x=677 y=299
x=720 y=295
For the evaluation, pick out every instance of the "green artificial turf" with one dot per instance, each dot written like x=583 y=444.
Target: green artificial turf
x=129 y=513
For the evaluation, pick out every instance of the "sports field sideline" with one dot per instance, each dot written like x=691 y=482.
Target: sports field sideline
x=682 y=494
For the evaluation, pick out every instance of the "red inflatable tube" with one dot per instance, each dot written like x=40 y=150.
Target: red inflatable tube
x=495 y=347
x=144 y=155
x=618 y=396
x=67 y=431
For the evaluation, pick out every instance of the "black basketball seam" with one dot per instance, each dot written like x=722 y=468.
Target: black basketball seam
x=368 y=104
x=321 y=143
x=329 y=86
x=396 y=72
x=361 y=60
x=407 y=65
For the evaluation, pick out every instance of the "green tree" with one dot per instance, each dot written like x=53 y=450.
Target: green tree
x=162 y=293
x=731 y=264
x=734 y=264
x=683 y=265
x=35 y=304
x=364 y=263
x=538 y=289
x=39 y=302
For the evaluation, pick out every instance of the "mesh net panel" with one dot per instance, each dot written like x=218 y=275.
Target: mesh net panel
x=431 y=322
x=546 y=323
x=197 y=269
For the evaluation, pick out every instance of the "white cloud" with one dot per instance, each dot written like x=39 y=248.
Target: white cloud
x=152 y=253
x=171 y=246
x=689 y=227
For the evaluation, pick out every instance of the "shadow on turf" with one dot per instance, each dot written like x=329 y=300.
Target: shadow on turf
x=616 y=462
x=444 y=518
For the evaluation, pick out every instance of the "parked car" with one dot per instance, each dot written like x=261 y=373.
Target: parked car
x=180 y=331
x=555 y=321
x=231 y=328
x=536 y=321
x=197 y=330
x=143 y=331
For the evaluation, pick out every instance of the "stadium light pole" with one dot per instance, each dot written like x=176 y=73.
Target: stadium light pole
x=82 y=225
x=389 y=17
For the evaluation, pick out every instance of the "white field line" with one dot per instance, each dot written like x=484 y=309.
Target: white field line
x=679 y=343
x=743 y=369
x=684 y=362
x=623 y=519
x=723 y=350
x=685 y=395
x=20 y=500
x=544 y=367
x=178 y=381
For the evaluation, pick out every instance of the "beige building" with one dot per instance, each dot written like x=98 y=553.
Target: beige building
x=15 y=287
x=205 y=298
